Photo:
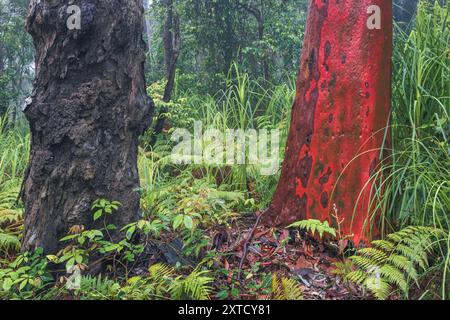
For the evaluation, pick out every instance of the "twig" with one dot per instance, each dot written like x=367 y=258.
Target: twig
x=22 y=186
x=248 y=242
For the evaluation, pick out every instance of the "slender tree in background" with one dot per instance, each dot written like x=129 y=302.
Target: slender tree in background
x=257 y=11
x=341 y=108
x=2 y=69
x=16 y=56
x=3 y=100
x=88 y=109
x=171 y=36
x=148 y=25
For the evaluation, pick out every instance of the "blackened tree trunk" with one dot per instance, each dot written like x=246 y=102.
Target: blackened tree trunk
x=88 y=108
x=341 y=108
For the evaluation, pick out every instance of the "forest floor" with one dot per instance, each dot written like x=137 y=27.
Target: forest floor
x=247 y=251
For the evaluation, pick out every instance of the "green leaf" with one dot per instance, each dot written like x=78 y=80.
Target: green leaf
x=52 y=258
x=67 y=238
x=70 y=263
x=111 y=227
x=98 y=214
x=23 y=284
x=79 y=259
x=7 y=284
x=130 y=232
x=178 y=221
x=188 y=222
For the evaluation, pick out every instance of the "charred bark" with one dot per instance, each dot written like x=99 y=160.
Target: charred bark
x=88 y=108
x=341 y=107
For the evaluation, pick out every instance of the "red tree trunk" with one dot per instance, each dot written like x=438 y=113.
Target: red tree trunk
x=341 y=108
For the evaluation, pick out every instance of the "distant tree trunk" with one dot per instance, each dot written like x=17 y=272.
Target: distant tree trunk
x=172 y=43
x=404 y=10
x=148 y=26
x=259 y=16
x=223 y=14
x=3 y=108
x=341 y=108
x=88 y=108
x=2 y=64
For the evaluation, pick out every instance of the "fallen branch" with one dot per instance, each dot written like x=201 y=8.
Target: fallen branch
x=248 y=242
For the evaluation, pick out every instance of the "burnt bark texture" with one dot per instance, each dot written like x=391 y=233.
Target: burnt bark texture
x=340 y=110
x=88 y=108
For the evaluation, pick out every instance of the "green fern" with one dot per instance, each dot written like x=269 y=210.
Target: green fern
x=395 y=261
x=314 y=226
x=285 y=289
x=160 y=271
x=9 y=241
x=98 y=288
x=164 y=283
x=9 y=213
x=10 y=220
x=196 y=286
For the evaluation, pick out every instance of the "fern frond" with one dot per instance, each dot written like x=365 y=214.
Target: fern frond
x=314 y=226
x=414 y=255
x=394 y=276
x=364 y=262
x=9 y=216
x=9 y=242
x=97 y=287
x=377 y=255
x=392 y=262
x=357 y=277
x=404 y=264
x=384 y=245
x=286 y=289
x=158 y=271
x=379 y=288
x=196 y=286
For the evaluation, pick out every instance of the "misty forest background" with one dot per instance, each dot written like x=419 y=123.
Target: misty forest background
x=232 y=64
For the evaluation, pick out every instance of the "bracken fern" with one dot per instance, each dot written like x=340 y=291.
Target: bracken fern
x=396 y=261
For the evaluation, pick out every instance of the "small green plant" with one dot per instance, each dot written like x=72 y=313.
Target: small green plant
x=285 y=289
x=10 y=221
x=25 y=276
x=314 y=226
x=195 y=286
x=163 y=283
x=81 y=244
x=97 y=288
x=104 y=207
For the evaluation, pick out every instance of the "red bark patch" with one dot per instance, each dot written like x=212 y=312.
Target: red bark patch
x=345 y=72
